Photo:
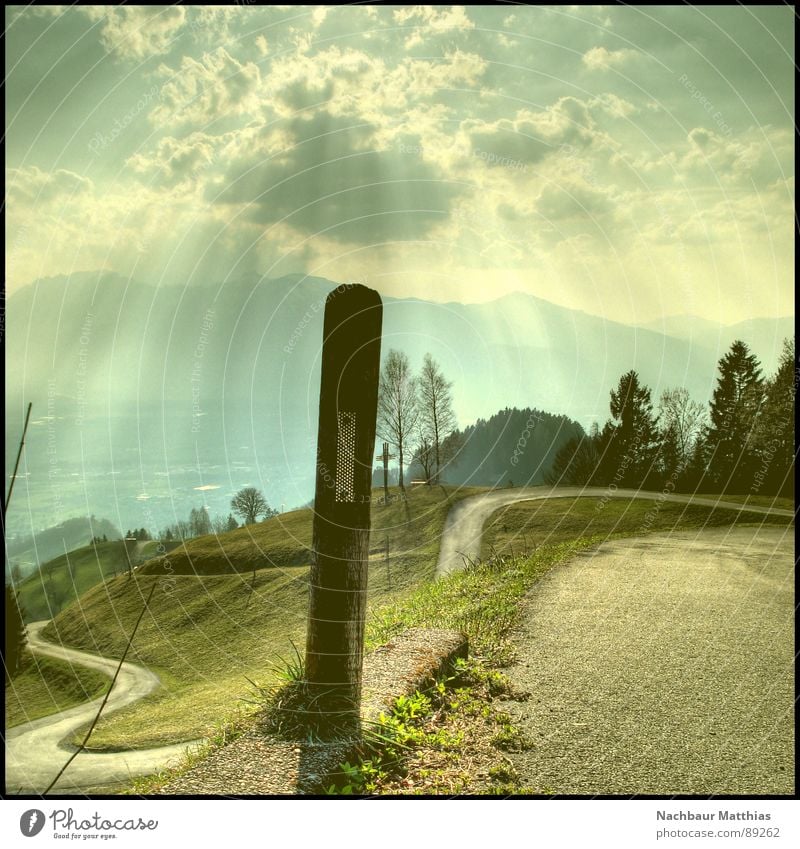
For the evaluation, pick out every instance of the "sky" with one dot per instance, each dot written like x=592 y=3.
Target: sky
x=633 y=163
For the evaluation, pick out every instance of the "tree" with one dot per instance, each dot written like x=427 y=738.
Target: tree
x=575 y=462
x=682 y=421
x=774 y=430
x=436 y=414
x=629 y=442
x=423 y=454
x=397 y=405
x=735 y=405
x=231 y=524
x=199 y=522
x=249 y=503
x=15 y=633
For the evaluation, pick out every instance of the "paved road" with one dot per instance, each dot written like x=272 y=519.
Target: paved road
x=464 y=527
x=661 y=666
x=35 y=751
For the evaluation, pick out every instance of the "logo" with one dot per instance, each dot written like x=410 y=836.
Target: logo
x=31 y=822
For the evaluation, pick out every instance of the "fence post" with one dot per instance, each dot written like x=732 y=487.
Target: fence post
x=348 y=402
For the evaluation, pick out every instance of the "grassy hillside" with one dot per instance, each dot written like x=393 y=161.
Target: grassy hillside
x=207 y=634
x=45 y=686
x=28 y=552
x=412 y=528
x=60 y=581
x=521 y=527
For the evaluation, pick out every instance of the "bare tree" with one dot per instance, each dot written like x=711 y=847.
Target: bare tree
x=423 y=453
x=249 y=503
x=199 y=522
x=682 y=421
x=435 y=410
x=397 y=405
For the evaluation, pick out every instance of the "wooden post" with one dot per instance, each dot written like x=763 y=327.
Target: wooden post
x=348 y=401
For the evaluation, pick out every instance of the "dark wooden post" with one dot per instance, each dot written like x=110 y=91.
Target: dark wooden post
x=348 y=401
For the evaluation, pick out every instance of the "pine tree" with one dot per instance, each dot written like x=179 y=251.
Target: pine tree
x=775 y=429
x=735 y=405
x=630 y=441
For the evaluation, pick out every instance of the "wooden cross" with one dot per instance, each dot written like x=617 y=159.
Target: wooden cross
x=385 y=456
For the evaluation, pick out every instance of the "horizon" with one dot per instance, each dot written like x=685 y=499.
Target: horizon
x=647 y=325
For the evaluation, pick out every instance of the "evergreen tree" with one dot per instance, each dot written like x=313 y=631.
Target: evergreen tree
x=735 y=405
x=775 y=429
x=629 y=442
x=575 y=462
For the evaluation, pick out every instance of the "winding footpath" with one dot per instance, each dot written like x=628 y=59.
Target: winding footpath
x=36 y=750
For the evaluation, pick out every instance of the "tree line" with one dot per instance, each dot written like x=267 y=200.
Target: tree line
x=249 y=504
x=741 y=443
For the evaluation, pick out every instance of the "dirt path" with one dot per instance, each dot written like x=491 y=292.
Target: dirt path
x=35 y=751
x=662 y=666
x=464 y=527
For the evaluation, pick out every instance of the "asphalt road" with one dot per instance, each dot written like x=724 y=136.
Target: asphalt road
x=36 y=750
x=464 y=526
x=661 y=666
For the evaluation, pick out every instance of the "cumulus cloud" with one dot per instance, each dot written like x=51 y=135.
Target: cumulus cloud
x=137 y=32
x=601 y=59
x=334 y=179
x=175 y=161
x=205 y=90
x=34 y=185
x=530 y=136
x=432 y=20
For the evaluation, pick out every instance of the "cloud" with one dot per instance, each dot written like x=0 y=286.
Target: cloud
x=31 y=185
x=530 y=136
x=335 y=178
x=600 y=59
x=203 y=91
x=432 y=20
x=559 y=201
x=176 y=161
x=137 y=32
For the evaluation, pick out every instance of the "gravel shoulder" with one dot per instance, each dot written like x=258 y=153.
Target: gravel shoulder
x=661 y=666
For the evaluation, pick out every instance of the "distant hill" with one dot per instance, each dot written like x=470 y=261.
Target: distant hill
x=155 y=399
x=60 y=581
x=512 y=447
x=28 y=552
x=763 y=335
